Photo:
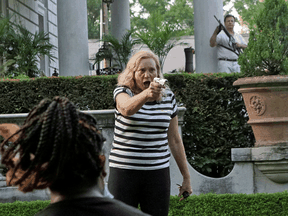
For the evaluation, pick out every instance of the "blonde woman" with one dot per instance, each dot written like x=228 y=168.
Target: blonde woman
x=146 y=124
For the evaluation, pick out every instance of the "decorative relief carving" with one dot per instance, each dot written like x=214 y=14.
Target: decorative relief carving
x=258 y=105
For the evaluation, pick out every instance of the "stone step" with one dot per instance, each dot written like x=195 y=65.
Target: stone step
x=11 y=194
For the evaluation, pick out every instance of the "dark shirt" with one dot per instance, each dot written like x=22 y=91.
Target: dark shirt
x=90 y=206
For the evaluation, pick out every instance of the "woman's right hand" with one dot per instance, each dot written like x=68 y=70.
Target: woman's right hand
x=128 y=105
x=154 y=91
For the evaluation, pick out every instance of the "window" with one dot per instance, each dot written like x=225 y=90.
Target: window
x=43 y=26
x=43 y=59
x=3 y=7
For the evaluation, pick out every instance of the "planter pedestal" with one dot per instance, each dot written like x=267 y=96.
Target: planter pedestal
x=277 y=171
x=272 y=161
x=266 y=101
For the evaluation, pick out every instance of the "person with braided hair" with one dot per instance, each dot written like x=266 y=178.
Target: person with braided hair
x=60 y=148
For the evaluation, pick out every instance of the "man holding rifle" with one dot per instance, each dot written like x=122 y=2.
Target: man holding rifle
x=229 y=45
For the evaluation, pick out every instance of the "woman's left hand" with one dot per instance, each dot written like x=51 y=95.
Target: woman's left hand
x=178 y=151
x=186 y=186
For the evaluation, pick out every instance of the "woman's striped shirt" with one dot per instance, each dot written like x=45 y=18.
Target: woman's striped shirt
x=141 y=141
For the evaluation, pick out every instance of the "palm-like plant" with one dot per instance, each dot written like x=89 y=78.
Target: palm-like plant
x=32 y=47
x=160 y=38
x=4 y=24
x=4 y=66
x=119 y=50
x=24 y=48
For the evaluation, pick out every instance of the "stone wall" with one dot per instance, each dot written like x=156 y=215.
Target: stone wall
x=244 y=178
x=105 y=121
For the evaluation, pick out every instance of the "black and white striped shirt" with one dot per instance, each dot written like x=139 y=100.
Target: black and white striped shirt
x=140 y=140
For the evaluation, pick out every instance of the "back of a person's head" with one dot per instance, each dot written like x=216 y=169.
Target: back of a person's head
x=56 y=147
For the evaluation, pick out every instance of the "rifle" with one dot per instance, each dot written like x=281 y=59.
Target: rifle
x=232 y=42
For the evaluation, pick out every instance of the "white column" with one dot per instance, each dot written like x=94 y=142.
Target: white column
x=73 y=37
x=120 y=18
x=204 y=26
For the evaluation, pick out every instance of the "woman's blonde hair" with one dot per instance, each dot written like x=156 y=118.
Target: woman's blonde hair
x=127 y=77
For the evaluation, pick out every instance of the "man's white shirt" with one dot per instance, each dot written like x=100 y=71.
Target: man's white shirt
x=223 y=39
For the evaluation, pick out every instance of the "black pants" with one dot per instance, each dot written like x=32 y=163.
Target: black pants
x=149 y=188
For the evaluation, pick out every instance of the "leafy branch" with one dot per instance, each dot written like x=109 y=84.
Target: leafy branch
x=161 y=39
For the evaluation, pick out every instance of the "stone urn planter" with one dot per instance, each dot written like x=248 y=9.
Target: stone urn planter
x=266 y=101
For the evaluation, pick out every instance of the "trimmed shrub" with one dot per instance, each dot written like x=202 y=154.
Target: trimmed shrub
x=215 y=120
x=205 y=205
x=231 y=204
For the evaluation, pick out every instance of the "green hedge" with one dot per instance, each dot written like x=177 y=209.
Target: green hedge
x=19 y=208
x=88 y=92
x=204 y=205
x=215 y=119
x=231 y=204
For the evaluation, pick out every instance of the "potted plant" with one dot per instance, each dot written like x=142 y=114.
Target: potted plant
x=264 y=65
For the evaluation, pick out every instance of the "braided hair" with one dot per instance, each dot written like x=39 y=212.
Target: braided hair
x=58 y=147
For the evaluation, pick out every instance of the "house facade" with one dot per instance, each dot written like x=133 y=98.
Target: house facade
x=66 y=23
x=175 y=59
x=36 y=15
